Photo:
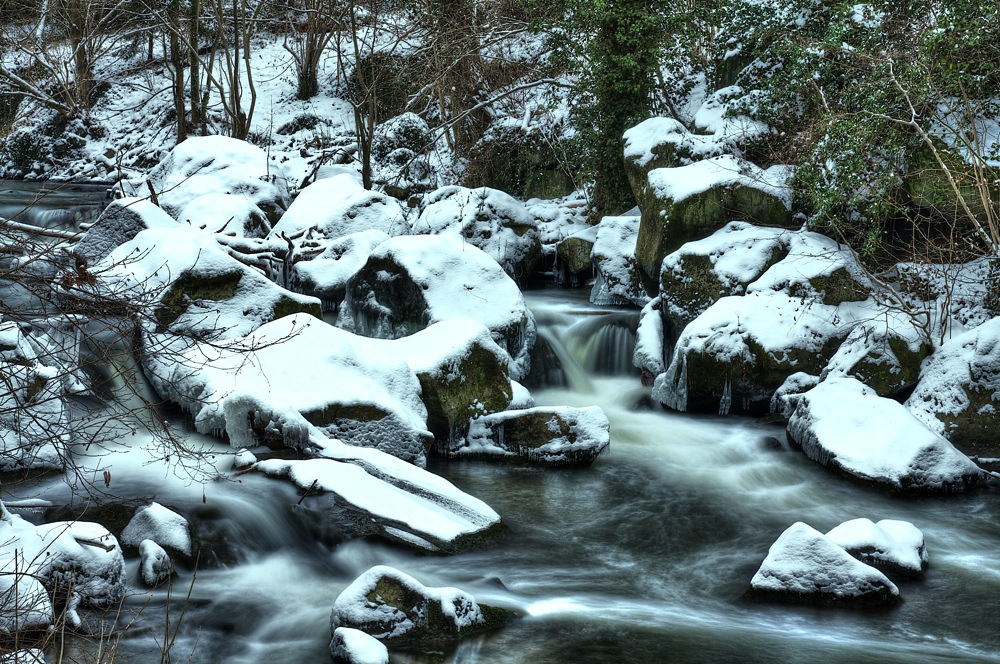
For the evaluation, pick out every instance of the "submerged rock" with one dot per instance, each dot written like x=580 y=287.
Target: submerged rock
x=843 y=424
x=894 y=547
x=401 y=612
x=550 y=436
x=352 y=646
x=958 y=394
x=803 y=566
x=411 y=282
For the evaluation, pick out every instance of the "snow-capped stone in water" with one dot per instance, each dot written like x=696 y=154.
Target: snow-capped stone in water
x=347 y=388
x=649 y=355
x=155 y=566
x=121 y=221
x=226 y=213
x=786 y=397
x=573 y=265
x=894 y=547
x=401 y=612
x=193 y=286
x=617 y=278
x=489 y=219
x=352 y=646
x=380 y=495
x=216 y=165
x=693 y=201
x=550 y=436
x=162 y=525
x=843 y=424
x=244 y=459
x=411 y=282
x=324 y=271
x=78 y=563
x=803 y=566
x=958 y=395
x=334 y=207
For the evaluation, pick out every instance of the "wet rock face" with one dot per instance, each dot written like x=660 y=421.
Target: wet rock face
x=543 y=436
x=400 y=612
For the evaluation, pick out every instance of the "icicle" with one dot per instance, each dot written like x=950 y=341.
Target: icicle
x=726 y=402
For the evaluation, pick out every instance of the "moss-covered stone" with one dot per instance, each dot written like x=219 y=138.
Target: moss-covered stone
x=189 y=288
x=574 y=255
x=286 y=306
x=840 y=286
x=930 y=190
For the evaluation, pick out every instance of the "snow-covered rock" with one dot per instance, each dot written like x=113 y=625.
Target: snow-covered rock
x=693 y=201
x=650 y=348
x=25 y=608
x=160 y=524
x=121 y=221
x=191 y=285
x=155 y=565
x=573 y=265
x=24 y=656
x=894 y=547
x=489 y=219
x=227 y=213
x=885 y=354
x=617 y=278
x=34 y=418
x=399 y=611
x=78 y=563
x=843 y=424
x=411 y=282
x=352 y=646
x=803 y=566
x=375 y=494
x=550 y=436
x=216 y=165
x=323 y=271
x=334 y=207
x=958 y=394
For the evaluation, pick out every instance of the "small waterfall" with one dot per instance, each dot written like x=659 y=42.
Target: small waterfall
x=610 y=351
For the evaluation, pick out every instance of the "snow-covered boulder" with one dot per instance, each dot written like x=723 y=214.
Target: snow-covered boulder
x=725 y=263
x=227 y=213
x=401 y=612
x=34 y=418
x=573 y=265
x=550 y=436
x=160 y=524
x=155 y=565
x=323 y=271
x=79 y=563
x=489 y=219
x=885 y=354
x=352 y=646
x=270 y=386
x=803 y=566
x=693 y=201
x=25 y=609
x=216 y=165
x=650 y=348
x=958 y=395
x=334 y=207
x=121 y=221
x=411 y=282
x=617 y=278
x=735 y=355
x=463 y=374
x=400 y=165
x=845 y=425
x=894 y=547
x=663 y=143
x=191 y=285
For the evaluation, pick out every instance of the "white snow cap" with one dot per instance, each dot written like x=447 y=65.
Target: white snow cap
x=160 y=524
x=355 y=647
x=898 y=544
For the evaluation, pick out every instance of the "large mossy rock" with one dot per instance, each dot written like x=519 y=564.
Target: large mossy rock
x=958 y=394
x=528 y=164
x=543 y=436
x=803 y=566
x=842 y=424
x=216 y=165
x=402 y=613
x=930 y=189
x=662 y=143
x=885 y=354
x=692 y=202
x=573 y=265
x=489 y=219
x=411 y=282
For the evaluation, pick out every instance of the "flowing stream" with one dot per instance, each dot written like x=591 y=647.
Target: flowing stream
x=642 y=557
